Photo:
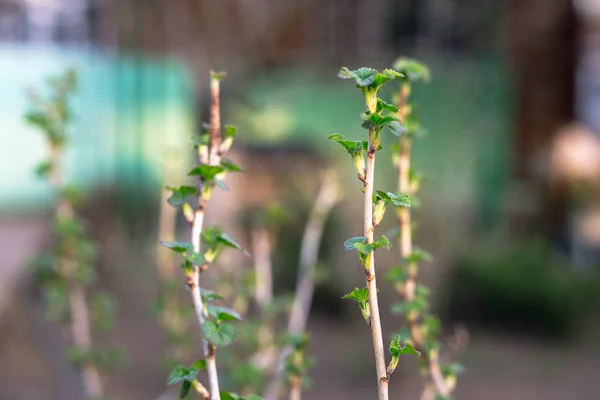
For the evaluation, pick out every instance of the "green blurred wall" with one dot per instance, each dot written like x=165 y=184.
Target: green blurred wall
x=129 y=112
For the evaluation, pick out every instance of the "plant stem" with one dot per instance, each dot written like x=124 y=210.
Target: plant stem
x=329 y=194
x=80 y=328
x=296 y=388
x=374 y=321
x=406 y=249
x=78 y=307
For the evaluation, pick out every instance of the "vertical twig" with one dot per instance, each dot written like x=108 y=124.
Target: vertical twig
x=78 y=306
x=435 y=382
x=374 y=321
x=329 y=195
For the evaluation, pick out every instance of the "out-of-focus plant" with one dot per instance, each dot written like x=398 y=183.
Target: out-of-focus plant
x=423 y=327
x=378 y=116
x=293 y=364
x=215 y=320
x=66 y=273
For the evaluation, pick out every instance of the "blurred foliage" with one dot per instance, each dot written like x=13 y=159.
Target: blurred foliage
x=519 y=286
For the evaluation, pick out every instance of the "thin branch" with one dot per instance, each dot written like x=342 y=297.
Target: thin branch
x=374 y=321
x=78 y=306
x=329 y=195
x=197 y=225
x=436 y=378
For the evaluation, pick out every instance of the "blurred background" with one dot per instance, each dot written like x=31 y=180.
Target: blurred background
x=511 y=209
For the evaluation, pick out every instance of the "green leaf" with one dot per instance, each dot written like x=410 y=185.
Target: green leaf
x=397 y=350
x=386 y=76
x=452 y=369
x=414 y=70
x=195 y=258
x=351 y=243
x=209 y=295
x=230 y=131
x=415 y=305
x=181 y=195
x=185 y=389
x=396 y=274
x=223 y=313
x=401 y=200
x=211 y=235
x=230 y=166
x=379 y=122
x=43 y=169
x=297 y=341
x=219 y=335
x=182 y=373
x=178 y=247
x=230 y=242
x=382 y=105
x=382 y=242
x=206 y=172
x=363 y=76
x=413 y=128
x=253 y=397
x=361 y=296
x=364 y=248
x=417 y=256
x=200 y=365
x=352 y=146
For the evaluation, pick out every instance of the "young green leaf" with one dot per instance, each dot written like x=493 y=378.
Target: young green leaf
x=230 y=131
x=206 y=172
x=209 y=295
x=230 y=166
x=383 y=106
x=182 y=373
x=401 y=200
x=386 y=76
x=230 y=242
x=219 y=335
x=382 y=242
x=417 y=256
x=178 y=247
x=397 y=350
x=195 y=258
x=414 y=70
x=416 y=305
x=181 y=195
x=43 y=169
x=200 y=365
x=361 y=296
x=223 y=313
x=351 y=243
x=363 y=76
x=352 y=146
x=396 y=274
x=185 y=389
